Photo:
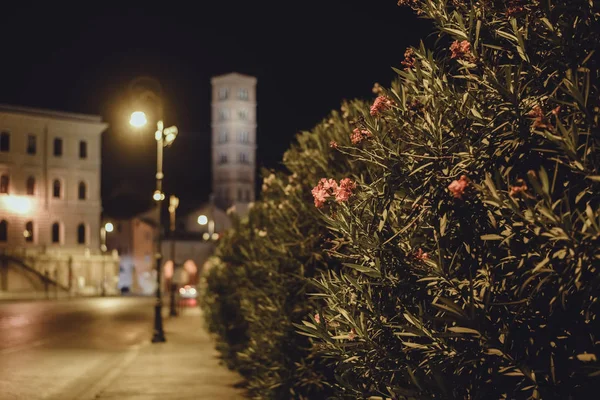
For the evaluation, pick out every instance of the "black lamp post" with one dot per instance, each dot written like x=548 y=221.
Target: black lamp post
x=164 y=138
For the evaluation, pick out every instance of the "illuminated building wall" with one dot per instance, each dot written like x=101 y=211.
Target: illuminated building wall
x=49 y=179
x=233 y=140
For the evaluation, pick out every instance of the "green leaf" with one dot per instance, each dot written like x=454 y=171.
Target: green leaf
x=492 y=236
x=460 y=329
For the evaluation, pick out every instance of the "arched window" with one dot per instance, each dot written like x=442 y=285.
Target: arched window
x=81 y=234
x=31 y=186
x=56 y=189
x=56 y=232
x=4 y=141
x=3 y=231
x=28 y=232
x=4 y=181
x=82 y=191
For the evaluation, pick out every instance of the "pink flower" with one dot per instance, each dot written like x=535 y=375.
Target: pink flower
x=539 y=120
x=380 y=104
x=517 y=190
x=324 y=189
x=421 y=255
x=460 y=49
x=320 y=193
x=352 y=334
x=358 y=135
x=345 y=189
x=333 y=144
x=409 y=59
x=458 y=187
x=317 y=318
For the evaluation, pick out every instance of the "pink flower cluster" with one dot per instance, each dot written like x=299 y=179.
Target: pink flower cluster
x=421 y=255
x=460 y=49
x=329 y=187
x=358 y=135
x=381 y=104
x=458 y=187
x=409 y=58
x=517 y=190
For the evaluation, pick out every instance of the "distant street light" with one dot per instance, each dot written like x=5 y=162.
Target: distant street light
x=164 y=138
x=108 y=227
x=203 y=220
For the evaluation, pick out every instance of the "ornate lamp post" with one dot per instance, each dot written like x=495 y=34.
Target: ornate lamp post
x=164 y=138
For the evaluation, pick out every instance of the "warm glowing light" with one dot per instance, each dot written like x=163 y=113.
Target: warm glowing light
x=170 y=138
x=17 y=204
x=26 y=233
x=181 y=291
x=206 y=236
x=202 y=220
x=138 y=119
x=109 y=227
x=215 y=236
x=157 y=196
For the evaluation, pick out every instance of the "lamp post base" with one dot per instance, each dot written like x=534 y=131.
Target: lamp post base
x=159 y=333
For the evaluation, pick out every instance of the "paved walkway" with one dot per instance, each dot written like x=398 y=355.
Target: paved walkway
x=184 y=367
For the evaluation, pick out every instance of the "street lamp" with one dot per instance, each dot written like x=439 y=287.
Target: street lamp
x=107 y=228
x=203 y=220
x=164 y=138
x=173 y=204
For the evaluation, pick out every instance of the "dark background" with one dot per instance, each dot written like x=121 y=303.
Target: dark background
x=308 y=56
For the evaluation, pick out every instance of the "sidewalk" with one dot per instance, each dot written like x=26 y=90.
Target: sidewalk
x=186 y=366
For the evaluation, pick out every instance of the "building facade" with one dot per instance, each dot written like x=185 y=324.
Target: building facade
x=233 y=140
x=134 y=239
x=50 y=186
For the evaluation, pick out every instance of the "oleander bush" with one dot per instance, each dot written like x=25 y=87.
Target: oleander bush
x=452 y=225
x=256 y=285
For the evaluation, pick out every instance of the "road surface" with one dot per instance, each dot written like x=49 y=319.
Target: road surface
x=66 y=349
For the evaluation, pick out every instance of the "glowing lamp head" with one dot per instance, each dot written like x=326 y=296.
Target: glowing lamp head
x=138 y=119
x=158 y=196
x=202 y=220
x=109 y=227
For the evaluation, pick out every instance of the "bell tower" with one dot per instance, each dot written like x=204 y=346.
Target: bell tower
x=233 y=122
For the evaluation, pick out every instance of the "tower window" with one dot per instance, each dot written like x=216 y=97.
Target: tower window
x=223 y=93
x=243 y=94
x=4 y=141
x=243 y=137
x=223 y=114
x=223 y=158
x=243 y=158
x=31 y=144
x=243 y=114
x=223 y=137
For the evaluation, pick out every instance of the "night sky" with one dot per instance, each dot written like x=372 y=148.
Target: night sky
x=308 y=56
